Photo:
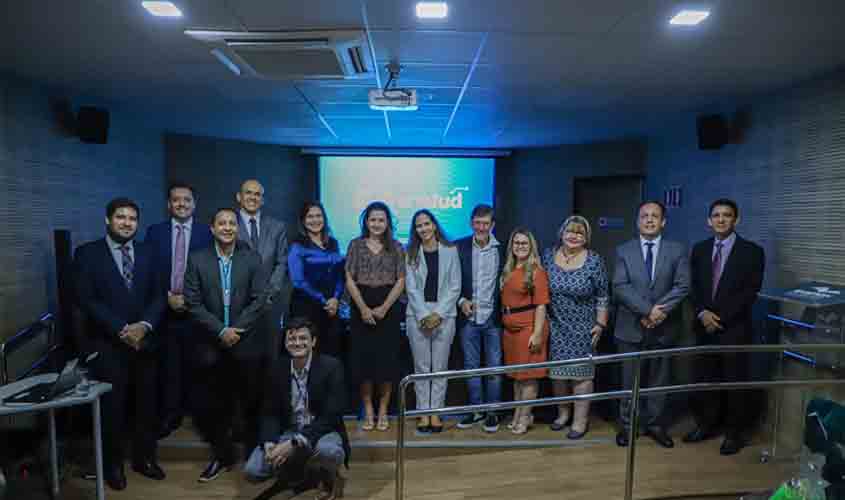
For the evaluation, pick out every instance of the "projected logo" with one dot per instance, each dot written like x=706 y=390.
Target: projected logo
x=449 y=187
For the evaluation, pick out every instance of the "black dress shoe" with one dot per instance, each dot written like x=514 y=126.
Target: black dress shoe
x=731 y=445
x=213 y=470
x=660 y=437
x=116 y=478
x=700 y=434
x=622 y=438
x=149 y=469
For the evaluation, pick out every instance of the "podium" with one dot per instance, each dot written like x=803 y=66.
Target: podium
x=811 y=313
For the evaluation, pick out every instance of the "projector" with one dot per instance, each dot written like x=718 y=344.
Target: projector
x=393 y=99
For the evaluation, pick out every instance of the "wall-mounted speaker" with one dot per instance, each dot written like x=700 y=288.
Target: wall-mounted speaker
x=92 y=125
x=713 y=131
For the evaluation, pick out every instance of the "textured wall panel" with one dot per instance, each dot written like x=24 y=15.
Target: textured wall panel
x=52 y=181
x=788 y=177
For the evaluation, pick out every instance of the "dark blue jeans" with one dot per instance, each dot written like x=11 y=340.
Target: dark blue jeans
x=486 y=338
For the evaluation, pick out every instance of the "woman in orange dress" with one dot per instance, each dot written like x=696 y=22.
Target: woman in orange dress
x=525 y=293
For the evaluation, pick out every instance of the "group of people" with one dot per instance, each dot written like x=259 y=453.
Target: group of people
x=206 y=301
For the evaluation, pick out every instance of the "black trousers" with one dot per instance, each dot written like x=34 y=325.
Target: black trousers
x=133 y=378
x=222 y=387
x=174 y=365
x=730 y=409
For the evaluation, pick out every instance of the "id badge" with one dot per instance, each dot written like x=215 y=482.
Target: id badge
x=227 y=298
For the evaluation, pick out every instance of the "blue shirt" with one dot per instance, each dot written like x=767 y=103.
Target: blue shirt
x=316 y=272
x=225 y=264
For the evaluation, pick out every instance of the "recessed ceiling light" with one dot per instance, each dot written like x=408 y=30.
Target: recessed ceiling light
x=162 y=9
x=432 y=10
x=689 y=17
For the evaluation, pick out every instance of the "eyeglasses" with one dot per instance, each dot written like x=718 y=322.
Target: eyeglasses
x=522 y=243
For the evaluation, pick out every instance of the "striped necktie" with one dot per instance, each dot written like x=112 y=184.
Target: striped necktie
x=128 y=265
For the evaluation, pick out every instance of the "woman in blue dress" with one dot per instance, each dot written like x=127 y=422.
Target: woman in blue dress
x=316 y=270
x=578 y=314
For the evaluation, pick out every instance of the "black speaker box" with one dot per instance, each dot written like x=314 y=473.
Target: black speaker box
x=92 y=125
x=713 y=131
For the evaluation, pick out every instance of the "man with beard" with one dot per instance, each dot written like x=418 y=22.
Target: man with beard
x=225 y=295
x=170 y=242
x=118 y=293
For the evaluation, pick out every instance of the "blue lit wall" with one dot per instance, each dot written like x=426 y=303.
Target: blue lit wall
x=449 y=187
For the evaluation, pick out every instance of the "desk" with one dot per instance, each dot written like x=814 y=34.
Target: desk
x=95 y=392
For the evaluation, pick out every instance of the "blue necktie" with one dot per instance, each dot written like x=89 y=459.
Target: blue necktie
x=649 y=260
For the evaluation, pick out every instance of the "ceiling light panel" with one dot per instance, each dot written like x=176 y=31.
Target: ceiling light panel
x=689 y=17
x=432 y=10
x=162 y=9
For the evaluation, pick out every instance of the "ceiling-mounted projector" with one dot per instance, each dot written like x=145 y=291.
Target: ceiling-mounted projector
x=393 y=99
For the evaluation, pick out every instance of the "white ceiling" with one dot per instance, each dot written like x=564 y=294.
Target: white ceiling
x=549 y=72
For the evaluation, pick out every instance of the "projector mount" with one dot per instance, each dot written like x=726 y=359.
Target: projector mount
x=394 y=68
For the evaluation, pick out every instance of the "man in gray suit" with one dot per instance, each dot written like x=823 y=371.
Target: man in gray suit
x=651 y=279
x=225 y=296
x=268 y=237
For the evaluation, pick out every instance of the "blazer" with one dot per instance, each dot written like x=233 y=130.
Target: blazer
x=741 y=280
x=464 y=246
x=448 y=284
x=635 y=294
x=160 y=239
x=105 y=301
x=204 y=298
x=326 y=401
x=273 y=249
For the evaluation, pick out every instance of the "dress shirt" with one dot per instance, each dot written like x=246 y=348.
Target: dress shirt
x=117 y=255
x=655 y=250
x=245 y=217
x=485 y=270
x=225 y=264
x=727 y=246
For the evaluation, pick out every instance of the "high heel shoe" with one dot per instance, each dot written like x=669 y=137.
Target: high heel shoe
x=368 y=424
x=573 y=434
x=524 y=425
x=383 y=423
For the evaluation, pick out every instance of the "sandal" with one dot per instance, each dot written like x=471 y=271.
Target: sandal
x=383 y=423
x=368 y=424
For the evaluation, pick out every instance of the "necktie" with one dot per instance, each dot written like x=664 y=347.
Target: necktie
x=177 y=279
x=717 y=267
x=253 y=233
x=128 y=265
x=649 y=260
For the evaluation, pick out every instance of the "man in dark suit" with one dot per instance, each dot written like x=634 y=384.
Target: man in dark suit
x=225 y=296
x=268 y=237
x=479 y=318
x=170 y=242
x=302 y=434
x=727 y=273
x=650 y=281
x=118 y=293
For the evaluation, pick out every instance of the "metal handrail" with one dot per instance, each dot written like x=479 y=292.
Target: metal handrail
x=634 y=393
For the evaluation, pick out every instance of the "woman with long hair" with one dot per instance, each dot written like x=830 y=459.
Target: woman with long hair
x=375 y=278
x=316 y=271
x=433 y=273
x=525 y=294
x=577 y=315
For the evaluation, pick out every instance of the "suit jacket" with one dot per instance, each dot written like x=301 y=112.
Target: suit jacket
x=635 y=294
x=448 y=284
x=105 y=301
x=326 y=401
x=204 y=298
x=273 y=249
x=739 y=284
x=159 y=238
x=464 y=246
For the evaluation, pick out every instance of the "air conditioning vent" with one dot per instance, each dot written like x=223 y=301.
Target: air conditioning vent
x=296 y=55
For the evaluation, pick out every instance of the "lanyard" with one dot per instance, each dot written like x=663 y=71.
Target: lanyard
x=226 y=285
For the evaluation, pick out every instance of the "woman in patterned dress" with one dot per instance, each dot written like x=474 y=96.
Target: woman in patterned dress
x=375 y=278
x=578 y=314
x=525 y=293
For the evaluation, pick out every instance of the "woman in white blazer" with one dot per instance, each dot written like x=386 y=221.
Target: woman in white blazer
x=433 y=285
